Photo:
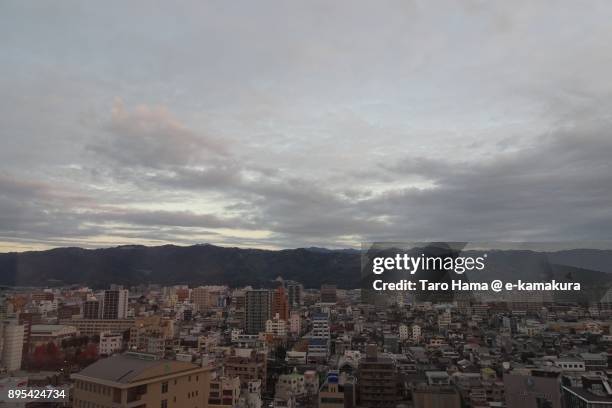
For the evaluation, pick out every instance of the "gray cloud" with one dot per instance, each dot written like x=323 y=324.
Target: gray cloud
x=151 y=136
x=312 y=123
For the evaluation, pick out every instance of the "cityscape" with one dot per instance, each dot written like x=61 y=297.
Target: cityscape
x=291 y=346
x=306 y=204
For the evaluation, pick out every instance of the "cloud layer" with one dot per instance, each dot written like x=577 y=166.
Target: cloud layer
x=284 y=125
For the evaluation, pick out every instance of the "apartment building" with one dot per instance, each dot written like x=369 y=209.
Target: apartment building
x=224 y=392
x=280 y=303
x=110 y=343
x=377 y=380
x=247 y=364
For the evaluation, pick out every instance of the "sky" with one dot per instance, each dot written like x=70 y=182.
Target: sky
x=282 y=124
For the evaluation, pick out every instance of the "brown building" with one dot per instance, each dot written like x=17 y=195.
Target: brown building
x=182 y=294
x=377 y=378
x=328 y=294
x=42 y=296
x=68 y=311
x=247 y=364
x=91 y=309
x=138 y=381
x=280 y=304
x=433 y=396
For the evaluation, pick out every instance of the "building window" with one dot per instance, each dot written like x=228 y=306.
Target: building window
x=164 y=404
x=164 y=387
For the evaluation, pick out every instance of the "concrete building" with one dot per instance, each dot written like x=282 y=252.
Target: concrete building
x=250 y=395
x=276 y=327
x=328 y=293
x=47 y=333
x=433 y=396
x=533 y=389
x=224 y=392
x=258 y=309
x=295 y=323
x=289 y=388
x=200 y=298
x=444 y=320
x=115 y=304
x=595 y=392
x=280 y=303
x=110 y=343
x=137 y=380
x=11 y=339
x=247 y=364
x=93 y=327
x=338 y=391
x=377 y=380
x=295 y=292
x=151 y=334
x=404 y=333
x=416 y=333
x=91 y=309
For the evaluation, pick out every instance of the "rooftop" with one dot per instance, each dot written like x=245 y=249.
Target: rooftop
x=125 y=368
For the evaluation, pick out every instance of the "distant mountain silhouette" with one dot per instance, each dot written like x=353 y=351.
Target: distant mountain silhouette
x=209 y=264
x=169 y=264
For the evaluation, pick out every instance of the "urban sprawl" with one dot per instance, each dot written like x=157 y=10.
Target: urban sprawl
x=289 y=346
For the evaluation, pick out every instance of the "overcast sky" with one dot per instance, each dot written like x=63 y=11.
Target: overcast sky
x=280 y=124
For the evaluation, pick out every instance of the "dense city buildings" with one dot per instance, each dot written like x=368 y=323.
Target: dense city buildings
x=324 y=354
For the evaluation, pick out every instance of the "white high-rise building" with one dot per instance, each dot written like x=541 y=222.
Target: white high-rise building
x=12 y=345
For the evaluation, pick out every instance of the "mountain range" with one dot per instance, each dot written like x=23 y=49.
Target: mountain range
x=207 y=264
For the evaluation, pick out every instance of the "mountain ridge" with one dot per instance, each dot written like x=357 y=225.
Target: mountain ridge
x=203 y=264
